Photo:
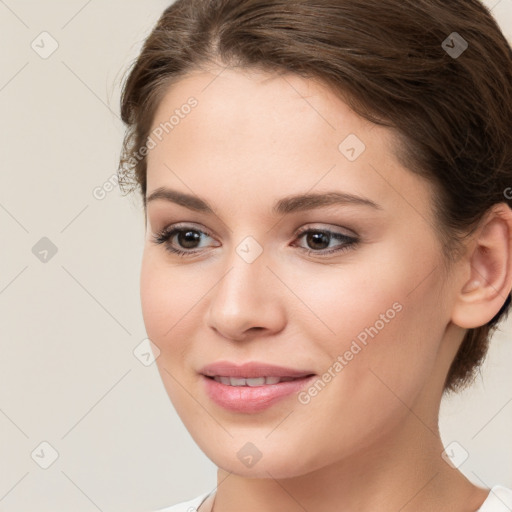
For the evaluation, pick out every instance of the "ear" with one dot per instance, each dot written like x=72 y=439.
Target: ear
x=489 y=266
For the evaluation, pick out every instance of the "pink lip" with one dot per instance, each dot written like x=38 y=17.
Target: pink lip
x=250 y=370
x=248 y=399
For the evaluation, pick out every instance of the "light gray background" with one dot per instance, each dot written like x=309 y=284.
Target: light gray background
x=69 y=325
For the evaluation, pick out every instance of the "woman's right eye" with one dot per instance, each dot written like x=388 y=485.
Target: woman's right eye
x=186 y=238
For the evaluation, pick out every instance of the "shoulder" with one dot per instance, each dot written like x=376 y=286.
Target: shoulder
x=498 y=500
x=186 y=506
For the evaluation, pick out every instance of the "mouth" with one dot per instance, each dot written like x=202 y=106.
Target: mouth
x=252 y=382
x=252 y=387
x=250 y=371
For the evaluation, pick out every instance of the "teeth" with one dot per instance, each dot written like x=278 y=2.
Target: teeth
x=258 y=381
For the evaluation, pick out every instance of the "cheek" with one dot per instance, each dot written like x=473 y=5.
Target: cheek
x=377 y=366
x=155 y=301
x=167 y=296
x=167 y=299
x=339 y=305
x=382 y=318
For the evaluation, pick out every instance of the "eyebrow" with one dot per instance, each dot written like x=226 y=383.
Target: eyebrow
x=284 y=206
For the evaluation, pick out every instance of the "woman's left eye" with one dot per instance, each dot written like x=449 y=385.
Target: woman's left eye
x=316 y=237
x=187 y=239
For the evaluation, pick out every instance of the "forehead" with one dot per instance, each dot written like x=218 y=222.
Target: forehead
x=253 y=106
x=271 y=135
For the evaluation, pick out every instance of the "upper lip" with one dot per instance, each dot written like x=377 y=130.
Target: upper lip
x=250 y=370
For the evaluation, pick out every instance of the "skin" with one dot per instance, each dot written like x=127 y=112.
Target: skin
x=369 y=440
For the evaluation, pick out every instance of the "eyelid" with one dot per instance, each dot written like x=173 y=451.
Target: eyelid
x=329 y=229
x=348 y=241
x=170 y=231
x=184 y=226
x=304 y=229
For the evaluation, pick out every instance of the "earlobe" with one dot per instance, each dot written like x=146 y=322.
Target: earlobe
x=490 y=270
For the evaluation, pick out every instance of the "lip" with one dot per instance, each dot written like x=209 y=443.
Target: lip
x=248 y=399
x=250 y=370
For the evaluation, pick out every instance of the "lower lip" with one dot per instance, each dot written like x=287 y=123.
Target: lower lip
x=249 y=399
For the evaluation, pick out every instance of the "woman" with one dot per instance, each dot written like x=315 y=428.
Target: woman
x=328 y=241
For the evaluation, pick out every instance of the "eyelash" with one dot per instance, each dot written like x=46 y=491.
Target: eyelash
x=166 y=234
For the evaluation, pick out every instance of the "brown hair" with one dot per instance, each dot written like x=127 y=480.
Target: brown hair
x=397 y=63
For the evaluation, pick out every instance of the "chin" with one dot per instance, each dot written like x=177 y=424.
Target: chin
x=278 y=458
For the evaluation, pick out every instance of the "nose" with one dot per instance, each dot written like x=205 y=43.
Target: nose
x=247 y=302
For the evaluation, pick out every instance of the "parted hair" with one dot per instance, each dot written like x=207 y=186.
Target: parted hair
x=438 y=74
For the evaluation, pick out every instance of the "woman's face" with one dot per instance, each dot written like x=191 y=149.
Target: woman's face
x=346 y=286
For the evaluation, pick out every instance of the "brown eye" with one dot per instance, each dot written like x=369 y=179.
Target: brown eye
x=183 y=241
x=187 y=239
x=318 y=241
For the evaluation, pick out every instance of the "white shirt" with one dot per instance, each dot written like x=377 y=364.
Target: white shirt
x=499 y=499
